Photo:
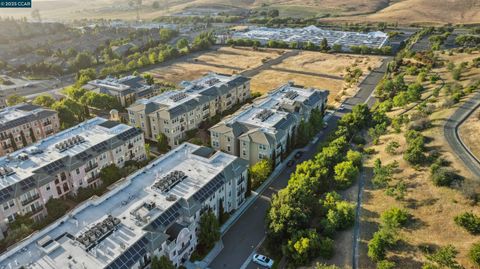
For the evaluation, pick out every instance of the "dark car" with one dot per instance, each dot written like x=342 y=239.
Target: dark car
x=298 y=155
x=290 y=163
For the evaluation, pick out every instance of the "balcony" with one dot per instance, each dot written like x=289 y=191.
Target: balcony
x=49 y=132
x=35 y=211
x=46 y=123
x=92 y=179
x=30 y=199
x=90 y=167
x=130 y=146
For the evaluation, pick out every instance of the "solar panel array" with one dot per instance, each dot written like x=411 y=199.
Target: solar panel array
x=128 y=134
x=291 y=95
x=167 y=217
x=132 y=255
x=100 y=147
x=6 y=194
x=27 y=184
x=178 y=96
x=264 y=115
x=53 y=167
x=210 y=188
x=83 y=156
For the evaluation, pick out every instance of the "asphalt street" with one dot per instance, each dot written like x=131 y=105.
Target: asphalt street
x=242 y=239
x=452 y=137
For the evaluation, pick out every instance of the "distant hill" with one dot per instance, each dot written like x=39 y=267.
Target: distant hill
x=402 y=11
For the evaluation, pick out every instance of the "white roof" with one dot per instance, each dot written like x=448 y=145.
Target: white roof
x=122 y=202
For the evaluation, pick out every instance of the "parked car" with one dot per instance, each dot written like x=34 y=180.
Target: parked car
x=298 y=155
x=342 y=107
x=262 y=260
x=325 y=125
x=290 y=163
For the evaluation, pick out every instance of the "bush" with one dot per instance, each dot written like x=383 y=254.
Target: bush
x=385 y=265
x=469 y=222
x=474 y=254
x=377 y=247
x=443 y=177
x=394 y=217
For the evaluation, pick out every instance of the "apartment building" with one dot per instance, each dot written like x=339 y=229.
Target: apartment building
x=155 y=211
x=61 y=164
x=24 y=124
x=267 y=128
x=176 y=112
x=126 y=89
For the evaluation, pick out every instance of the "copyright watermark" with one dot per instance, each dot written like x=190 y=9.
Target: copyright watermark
x=15 y=3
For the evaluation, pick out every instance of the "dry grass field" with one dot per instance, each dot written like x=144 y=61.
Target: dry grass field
x=309 y=69
x=432 y=208
x=313 y=69
x=225 y=60
x=469 y=131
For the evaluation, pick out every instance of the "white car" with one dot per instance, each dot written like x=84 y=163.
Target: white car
x=262 y=260
x=342 y=107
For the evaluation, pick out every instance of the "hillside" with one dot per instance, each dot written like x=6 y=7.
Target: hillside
x=402 y=11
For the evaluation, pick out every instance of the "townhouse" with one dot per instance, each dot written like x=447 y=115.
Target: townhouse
x=126 y=89
x=267 y=128
x=155 y=211
x=174 y=113
x=61 y=164
x=24 y=124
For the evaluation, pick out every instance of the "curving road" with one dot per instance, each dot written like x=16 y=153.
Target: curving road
x=455 y=141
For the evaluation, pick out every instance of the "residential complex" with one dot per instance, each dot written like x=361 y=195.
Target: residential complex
x=155 y=211
x=313 y=34
x=126 y=89
x=62 y=163
x=266 y=128
x=176 y=112
x=23 y=124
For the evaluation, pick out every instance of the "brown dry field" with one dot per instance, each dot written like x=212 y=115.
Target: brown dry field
x=314 y=69
x=432 y=208
x=309 y=69
x=469 y=132
x=225 y=60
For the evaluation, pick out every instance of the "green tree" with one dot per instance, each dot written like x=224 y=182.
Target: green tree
x=474 y=254
x=385 y=264
x=355 y=157
x=324 y=45
x=345 y=173
x=82 y=60
x=84 y=76
x=24 y=139
x=161 y=263
x=12 y=142
x=469 y=221
x=209 y=232
x=259 y=172
x=162 y=143
x=182 y=43
x=337 y=48
x=110 y=174
x=394 y=218
x=32 y=135
x=445 y=257
x=45 y=100
x=273 y=13
x=377 y=247
x=149 y=79
x=15 y=99
x=302 y=247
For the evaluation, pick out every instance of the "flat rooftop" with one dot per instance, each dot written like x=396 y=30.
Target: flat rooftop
x=19 y=114
x=135 y=202
x=42 y=155
x=315 y=35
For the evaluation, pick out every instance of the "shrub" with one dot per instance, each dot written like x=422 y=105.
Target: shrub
x=474 y=254
x=469 y=222
x=443 y=177
x=392 y=147
x=377 y=247
x=385 y=265
x=394 y=217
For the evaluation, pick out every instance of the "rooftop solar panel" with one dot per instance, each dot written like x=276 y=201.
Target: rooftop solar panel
x=167 y=217
x=209 y=189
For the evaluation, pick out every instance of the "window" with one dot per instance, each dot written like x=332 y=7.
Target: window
x=48 y=187
x=228 y=148
x=244 y=153
x=228 y=139
x=262 y=147
x=78 y=171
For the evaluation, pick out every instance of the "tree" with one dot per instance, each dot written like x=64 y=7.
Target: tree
x=161 y=263
x=166 y=34
x=303 y=247
x=149 y=79
x=469 y=221
x=162 y=143
x=15 y=99
x=84 y=76
x=392 y=147
x=12 y=141
x=324 y=45
x=273 y=13
x=324 y=266
x=45 y=100
x=355 y=157
x=377 y=247
x=24 y=139
x=337 y=48
x=259 y=172
x=155 y=5
x=110 y=174
x=209 y=232
x=82 y=60
x=385 y=265
x=474 y=254
x=182 y=43
x=445 y=257
x=394 y=218
x=304 y=133
x=74 y=93
x=345 y=173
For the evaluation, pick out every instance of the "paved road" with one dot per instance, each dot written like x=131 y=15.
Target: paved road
x=451 y=134
x=246 y=234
